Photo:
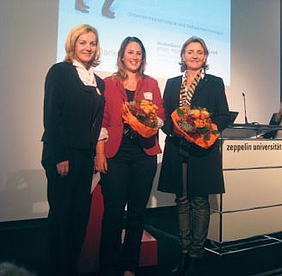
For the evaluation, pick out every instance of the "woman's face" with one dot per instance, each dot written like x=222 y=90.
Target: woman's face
x=85 y=48
x=132 y=57
x=194 y=56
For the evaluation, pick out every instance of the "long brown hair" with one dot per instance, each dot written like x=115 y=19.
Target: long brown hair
x=121 y=72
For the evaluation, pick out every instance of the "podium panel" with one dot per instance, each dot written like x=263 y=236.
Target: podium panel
x=252 y=203
x=245 y=224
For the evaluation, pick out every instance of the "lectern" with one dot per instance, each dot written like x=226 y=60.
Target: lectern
x=246 y=131
x=251 y=206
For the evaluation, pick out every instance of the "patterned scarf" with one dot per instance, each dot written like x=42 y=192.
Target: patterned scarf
x=186 y=93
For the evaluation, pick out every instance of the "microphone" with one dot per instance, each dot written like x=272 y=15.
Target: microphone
x=245 y=110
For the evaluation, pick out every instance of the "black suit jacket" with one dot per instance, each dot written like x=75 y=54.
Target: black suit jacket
x=204 y=165
x=210 y=93
x=72 y=111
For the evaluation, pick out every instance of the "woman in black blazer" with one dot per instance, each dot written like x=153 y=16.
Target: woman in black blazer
x=197 y=173
x=73 y=109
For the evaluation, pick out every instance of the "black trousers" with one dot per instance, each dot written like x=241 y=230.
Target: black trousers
x=69 y=201
x=128 y=181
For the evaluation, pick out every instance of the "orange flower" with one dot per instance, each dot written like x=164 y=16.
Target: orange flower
x=201 y=123
x=148 y=107
x=195 y=113
x=195 y=126
x=141 y=116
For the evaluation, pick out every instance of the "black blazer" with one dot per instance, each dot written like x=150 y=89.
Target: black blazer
x=204 y=165
x=72 y=111
x=210 y=93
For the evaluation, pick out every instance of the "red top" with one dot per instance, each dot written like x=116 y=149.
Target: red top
x=115 y=95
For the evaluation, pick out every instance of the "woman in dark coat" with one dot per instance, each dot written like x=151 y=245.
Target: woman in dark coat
x=189 y=171
x=73 y=110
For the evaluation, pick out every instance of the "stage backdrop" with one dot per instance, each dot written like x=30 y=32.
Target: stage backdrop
x=245 y=51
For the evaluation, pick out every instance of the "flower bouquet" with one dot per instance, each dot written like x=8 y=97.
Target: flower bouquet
x=195 y=126
x=141 y=116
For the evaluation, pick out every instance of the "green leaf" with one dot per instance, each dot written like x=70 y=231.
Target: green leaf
x=180 y=112
x=202 y=130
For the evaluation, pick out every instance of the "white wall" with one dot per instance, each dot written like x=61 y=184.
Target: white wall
x=28 y=48
x=255 y=58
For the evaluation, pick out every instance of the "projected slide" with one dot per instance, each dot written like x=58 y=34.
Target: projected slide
x=162 y=25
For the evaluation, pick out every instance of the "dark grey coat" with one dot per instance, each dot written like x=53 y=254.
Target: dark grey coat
x=204 y=165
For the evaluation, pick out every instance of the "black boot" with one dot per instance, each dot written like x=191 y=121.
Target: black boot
x=193 y=267
x=180 y=269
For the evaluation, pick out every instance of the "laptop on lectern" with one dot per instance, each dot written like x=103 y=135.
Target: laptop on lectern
x=233 y=115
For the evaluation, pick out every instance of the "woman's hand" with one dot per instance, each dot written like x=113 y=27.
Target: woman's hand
x=100 y=163
x=63 y=168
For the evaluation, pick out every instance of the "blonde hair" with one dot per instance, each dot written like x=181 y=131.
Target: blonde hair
x=192 y=39
x=121 y=73
x=72 y=38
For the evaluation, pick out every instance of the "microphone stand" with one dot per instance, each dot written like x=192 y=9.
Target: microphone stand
x=245 y=109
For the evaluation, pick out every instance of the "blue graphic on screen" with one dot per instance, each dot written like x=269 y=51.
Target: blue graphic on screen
x=162 y=25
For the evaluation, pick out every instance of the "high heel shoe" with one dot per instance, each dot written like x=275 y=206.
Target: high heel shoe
x=180 y=269
x=193 y=267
